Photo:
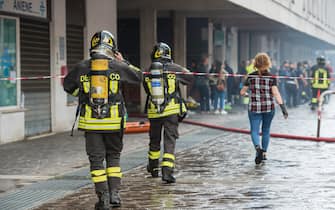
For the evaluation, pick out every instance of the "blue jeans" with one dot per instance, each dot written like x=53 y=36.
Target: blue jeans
x=219 y=95
x=255 y=120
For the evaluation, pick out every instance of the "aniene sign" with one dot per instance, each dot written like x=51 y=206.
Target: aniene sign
x=37 y=8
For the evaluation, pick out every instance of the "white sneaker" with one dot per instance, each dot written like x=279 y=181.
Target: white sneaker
x=216 y=112
x=223 y=112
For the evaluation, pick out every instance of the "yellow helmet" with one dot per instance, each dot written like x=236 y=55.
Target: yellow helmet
x=103 y=43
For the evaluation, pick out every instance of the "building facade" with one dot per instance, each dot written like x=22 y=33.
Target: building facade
x=42 y=39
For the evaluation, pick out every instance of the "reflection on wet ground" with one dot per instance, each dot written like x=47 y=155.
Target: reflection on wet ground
x=221 y=174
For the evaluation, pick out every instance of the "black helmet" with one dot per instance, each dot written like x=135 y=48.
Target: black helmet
x=103 y=43
x=321 y=60
x=161 y=52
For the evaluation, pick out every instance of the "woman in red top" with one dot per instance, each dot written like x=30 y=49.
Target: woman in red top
x=263 y=90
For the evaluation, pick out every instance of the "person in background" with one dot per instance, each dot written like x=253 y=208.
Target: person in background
x=203 y=85
x=212 y=80
x=292 y=86
x=250 y=68
x=283 y=72
x=192 y=88
x=230 y=83
x=320 y=81
x=302 y=83
x=263 y=90
x=307 y=74
x=220 y=86
x=242 y=71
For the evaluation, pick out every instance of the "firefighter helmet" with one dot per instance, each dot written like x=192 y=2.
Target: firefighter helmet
x=161 y=52
x=103 y=42
x=321 y=60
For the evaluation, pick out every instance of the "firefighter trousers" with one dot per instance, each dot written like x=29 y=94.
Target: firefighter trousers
x=316 y=92
x=106 y=147
x=169 y=126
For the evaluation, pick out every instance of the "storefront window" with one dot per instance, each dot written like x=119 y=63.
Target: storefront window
x=8 y=62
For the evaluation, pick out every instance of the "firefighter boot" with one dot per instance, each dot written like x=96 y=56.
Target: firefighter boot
x=115 y=199
x=153 y=167
x=167 y=175
x=103 y=203
x=114 y=186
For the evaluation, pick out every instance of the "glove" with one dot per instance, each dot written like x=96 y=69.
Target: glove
x=284 y=110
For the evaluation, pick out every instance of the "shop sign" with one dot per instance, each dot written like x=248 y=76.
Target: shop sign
x=37 y=8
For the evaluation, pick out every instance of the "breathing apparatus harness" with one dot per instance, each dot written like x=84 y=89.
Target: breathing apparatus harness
x=102 y=93
x=159 y=95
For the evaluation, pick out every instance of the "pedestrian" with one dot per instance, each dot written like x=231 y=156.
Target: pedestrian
x=220 y=88
x=216 y=66
x=283 y=74
x=320 y=81
x=302 y=83
x=97 y=83
x=242 y=72
x=263 y=90
x=192 y=89
x=307 y=74
x=202 y=82
x=165 y=108
x=292 y=87
x=230 y=83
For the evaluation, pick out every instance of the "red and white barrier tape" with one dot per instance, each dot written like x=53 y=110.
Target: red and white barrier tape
x=146 y=73
x=30 y=78
x=237 y=75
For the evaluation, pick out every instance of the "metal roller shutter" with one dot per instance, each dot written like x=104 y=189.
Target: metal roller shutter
x=74 y=44
x=35 y=61
x=74 y=49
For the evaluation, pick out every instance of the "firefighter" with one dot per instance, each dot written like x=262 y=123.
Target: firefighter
x=97 y=83
x=320 y=81
x=165 y=108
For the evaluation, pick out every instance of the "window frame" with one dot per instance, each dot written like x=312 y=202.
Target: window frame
x=18 y=67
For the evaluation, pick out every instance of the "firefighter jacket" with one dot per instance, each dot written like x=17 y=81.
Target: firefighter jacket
x=173 y=102
x=321 y=77
x=77 y=83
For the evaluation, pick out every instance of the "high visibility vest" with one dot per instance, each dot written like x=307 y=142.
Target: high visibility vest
x=114 y=109
x=173 y=103
x=250 y=69
x=320 y=79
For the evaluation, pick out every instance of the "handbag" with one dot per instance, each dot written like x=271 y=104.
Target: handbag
x=220 y=86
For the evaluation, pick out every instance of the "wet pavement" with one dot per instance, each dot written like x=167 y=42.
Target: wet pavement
x=220 y=173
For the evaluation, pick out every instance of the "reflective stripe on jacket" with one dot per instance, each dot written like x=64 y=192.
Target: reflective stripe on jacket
x=172 y=98
x=321 y=79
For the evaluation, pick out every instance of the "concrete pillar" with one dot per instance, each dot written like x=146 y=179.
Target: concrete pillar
x=210 y=42
x=62 y=115
x=258 y=43
x=264 y=43
x=278 y=46
x=234 y=49
x=244 y=46
x=100 y=15
x=220 y=43
x=148 y=37
x=179 y=42
x=224 y=46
